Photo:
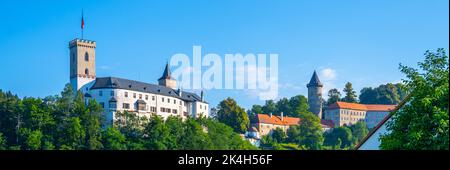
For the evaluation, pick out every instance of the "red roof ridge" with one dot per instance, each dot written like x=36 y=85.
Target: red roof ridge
x=363 y=107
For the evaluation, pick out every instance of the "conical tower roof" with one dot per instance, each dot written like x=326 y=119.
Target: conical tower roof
x=314 y=81
x=166 y=74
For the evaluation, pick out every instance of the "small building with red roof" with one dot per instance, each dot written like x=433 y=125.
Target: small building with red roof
x=266 y=123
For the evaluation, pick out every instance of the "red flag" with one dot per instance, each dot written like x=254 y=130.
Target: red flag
x=82 y=21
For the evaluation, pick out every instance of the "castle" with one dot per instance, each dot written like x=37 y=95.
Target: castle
x=344 y=113
x=119 y=94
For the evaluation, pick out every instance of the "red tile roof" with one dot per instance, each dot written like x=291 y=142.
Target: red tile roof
x=380 y=107
x=287 y=121
x=363 y=107
x=265 y=118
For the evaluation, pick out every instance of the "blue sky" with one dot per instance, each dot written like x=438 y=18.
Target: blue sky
x=361 y=42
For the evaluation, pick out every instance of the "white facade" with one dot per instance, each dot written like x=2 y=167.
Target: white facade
x=342 y=117
x=343 y=113
x=164 y=106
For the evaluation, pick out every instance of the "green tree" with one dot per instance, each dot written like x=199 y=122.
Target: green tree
x=34 y=140
x=339 y=136
x=74 y=137
x=257 y=109
x=279 y=135
x=195 y=138
x=2 y=142
x=350 y=94
x=176 y=129
x=113 y=139
x=293 y=134
x=269 y=107
x=92 y=122
x=284 y=106
x=11 y=117
x=223 y=137
x=422 y=123
x=233 y=115
x=156 y=133
x=359 y=131
x=333 y=96
x=310 y=131
x=298 y=104
x=384 y=94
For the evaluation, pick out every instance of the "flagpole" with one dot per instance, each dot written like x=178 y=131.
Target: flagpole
x=82 y=23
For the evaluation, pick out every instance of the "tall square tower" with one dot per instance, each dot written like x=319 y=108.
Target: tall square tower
x=82 y=63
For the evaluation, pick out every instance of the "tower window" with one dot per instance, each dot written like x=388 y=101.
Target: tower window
x=86 y=56
x=86 y=71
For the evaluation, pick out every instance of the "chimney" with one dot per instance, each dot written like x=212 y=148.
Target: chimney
x=281 y=116
x=270 y=115
x=201 y=96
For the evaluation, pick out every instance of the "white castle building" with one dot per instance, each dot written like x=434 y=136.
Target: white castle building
x=118 y=94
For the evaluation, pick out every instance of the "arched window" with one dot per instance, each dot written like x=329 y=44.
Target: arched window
x=86 y=71
x=86 y=57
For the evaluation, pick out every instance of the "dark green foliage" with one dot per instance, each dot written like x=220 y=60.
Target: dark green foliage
x=67 y=122
x=350 y=94
x=383 y=94
x=339 y=135
x=422 y=123
x=113 y=139
x=290 y=107
x=278 y=135
x=333 y=96
x=233 y=115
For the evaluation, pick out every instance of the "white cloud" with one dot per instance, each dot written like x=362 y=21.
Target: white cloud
x=328 y=74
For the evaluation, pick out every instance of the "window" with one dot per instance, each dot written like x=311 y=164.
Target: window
x=174 y=101
x=153 y=98
x=141 y=106
x=140 y=96
x=126 y=94
x=168 y=100
x=168 y=110
x=174 y=111
x=86 y=56
x=180 y=103
x=162 y=109
x=86 y=71
x=112 y=93
x=200 y=106
x=162 y=99
x=153 y=109
x=126 y=105
x=146 y=97
x=100 y=93
x=134 y=95
x=102 y=104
